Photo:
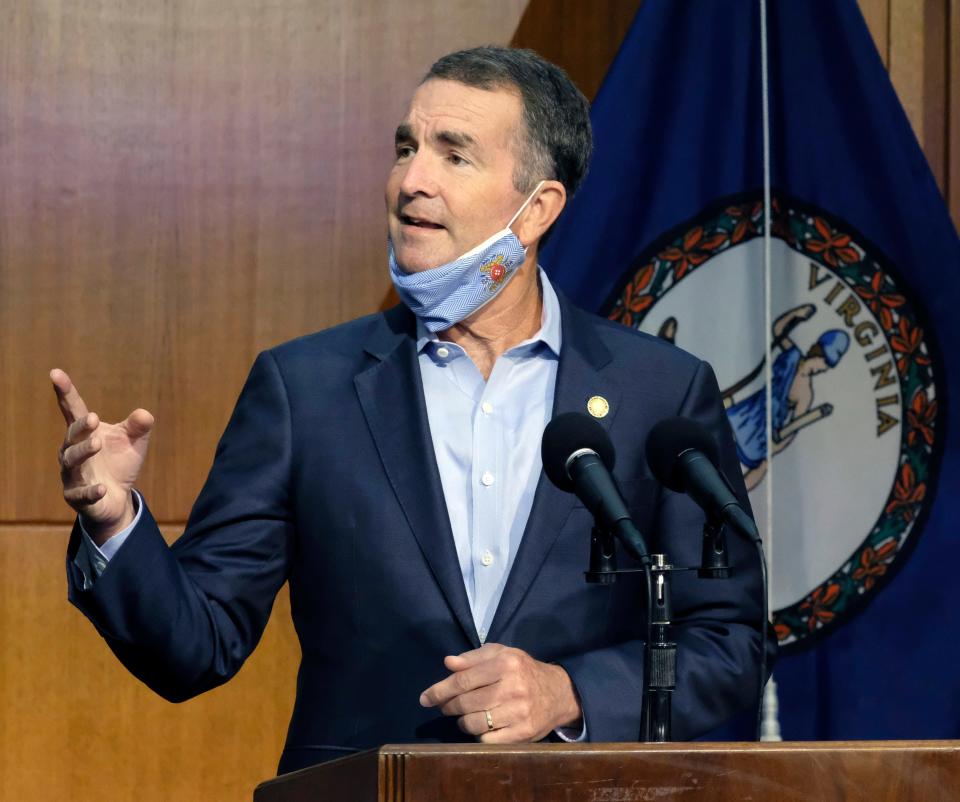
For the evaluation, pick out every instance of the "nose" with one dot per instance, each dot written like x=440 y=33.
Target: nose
x=419 y=176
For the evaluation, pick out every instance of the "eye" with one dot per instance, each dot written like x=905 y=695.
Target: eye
x=404 y=151
x=457 y=159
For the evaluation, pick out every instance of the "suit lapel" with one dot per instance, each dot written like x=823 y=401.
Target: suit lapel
x=579 y=377
x=391 y=396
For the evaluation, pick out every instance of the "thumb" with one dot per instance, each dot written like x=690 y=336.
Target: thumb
x=139 y=423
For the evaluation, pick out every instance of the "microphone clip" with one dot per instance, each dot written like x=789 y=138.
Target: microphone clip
x=714 y=561
x=603 y=558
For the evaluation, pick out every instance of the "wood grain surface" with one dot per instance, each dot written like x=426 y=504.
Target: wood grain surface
x=842 y=771
x=76 y=726
x=184 y=184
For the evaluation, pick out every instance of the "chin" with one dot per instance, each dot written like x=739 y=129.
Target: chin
x=412 y=262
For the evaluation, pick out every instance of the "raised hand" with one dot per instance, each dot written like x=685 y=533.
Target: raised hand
x=99 y=462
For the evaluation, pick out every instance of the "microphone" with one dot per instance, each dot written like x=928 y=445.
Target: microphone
x=684 y=457
x=578 y=458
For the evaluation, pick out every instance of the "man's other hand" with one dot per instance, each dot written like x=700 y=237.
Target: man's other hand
x=99 y=462
x=502 y=695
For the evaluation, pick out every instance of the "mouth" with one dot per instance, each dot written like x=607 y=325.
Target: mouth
x=419 y=222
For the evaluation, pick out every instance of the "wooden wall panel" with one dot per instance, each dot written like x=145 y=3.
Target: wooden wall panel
x=953 y=111
x=74 y=725
x=920 y=43
x=918 y=69
x=181 y=185
x=584 y=40
x=936 y=79
x=877 y=15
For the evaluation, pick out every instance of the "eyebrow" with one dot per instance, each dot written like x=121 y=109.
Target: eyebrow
x=457 y=139
x=404 y=134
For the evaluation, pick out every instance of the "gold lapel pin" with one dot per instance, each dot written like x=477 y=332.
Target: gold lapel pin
x=598 y=406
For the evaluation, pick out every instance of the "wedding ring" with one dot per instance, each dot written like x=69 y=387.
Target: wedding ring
x=489 y=719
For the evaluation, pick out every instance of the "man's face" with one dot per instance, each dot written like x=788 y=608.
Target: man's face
x=451 y=186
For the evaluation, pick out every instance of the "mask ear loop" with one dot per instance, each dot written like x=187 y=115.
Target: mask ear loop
x=530 y=197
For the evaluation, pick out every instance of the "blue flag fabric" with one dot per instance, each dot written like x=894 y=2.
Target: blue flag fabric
x=664 y=236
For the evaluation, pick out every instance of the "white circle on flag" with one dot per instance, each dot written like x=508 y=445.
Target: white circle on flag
x=832 y=480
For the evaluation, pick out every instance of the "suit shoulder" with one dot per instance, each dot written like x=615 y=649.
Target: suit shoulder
x=626 y=343
x=335 y=353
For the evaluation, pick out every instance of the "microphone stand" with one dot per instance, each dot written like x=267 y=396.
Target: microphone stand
x=660 y=676
x=660 y=655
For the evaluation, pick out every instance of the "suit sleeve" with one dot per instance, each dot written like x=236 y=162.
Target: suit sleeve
x=717 y=622
x=184 y=618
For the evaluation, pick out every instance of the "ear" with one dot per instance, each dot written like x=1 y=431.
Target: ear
x=540 y=213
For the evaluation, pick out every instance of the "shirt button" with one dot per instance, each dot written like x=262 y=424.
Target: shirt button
x=443 y=352
x=487 y=558
x=487 y=478
x=487 y=407
x=483 y=635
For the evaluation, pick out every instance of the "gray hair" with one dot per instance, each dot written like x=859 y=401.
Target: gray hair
x=558 y=140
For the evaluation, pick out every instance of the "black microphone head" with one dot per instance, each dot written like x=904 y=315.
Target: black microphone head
x=668 y=440
x=566 y=434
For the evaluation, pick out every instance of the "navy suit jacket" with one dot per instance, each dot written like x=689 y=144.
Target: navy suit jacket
x=326 y=477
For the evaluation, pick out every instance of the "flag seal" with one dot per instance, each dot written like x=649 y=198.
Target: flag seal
x=855 y=398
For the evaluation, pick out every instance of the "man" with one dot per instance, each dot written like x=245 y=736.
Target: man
x=389 y=469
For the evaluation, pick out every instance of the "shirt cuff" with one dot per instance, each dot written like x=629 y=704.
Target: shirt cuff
x=92 y=559
x=570 y=735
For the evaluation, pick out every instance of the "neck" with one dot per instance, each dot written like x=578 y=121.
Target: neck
x=513 y=316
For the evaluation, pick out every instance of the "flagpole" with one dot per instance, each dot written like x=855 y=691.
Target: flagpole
x=770 y=724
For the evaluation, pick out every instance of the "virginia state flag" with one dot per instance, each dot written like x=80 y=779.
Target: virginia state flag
x=666 y=235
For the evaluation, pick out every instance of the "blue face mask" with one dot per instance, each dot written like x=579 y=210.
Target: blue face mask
x=445 y=295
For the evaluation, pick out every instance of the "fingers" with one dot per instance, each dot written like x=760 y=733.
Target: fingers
x=508 y=735
x=69 y=400
x=510 y=724
x=464 y=660
x=480 y=699
x=76 y=455
x=485 y=673
x=80 y=429
x=84 y=495
x=478 y=723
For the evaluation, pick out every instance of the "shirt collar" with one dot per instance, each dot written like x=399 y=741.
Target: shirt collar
x=549 y=333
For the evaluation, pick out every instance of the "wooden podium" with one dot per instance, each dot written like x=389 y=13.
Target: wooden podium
x=872 y=771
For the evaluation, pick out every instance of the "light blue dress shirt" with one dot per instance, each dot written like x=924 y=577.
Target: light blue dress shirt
x=486 y=437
